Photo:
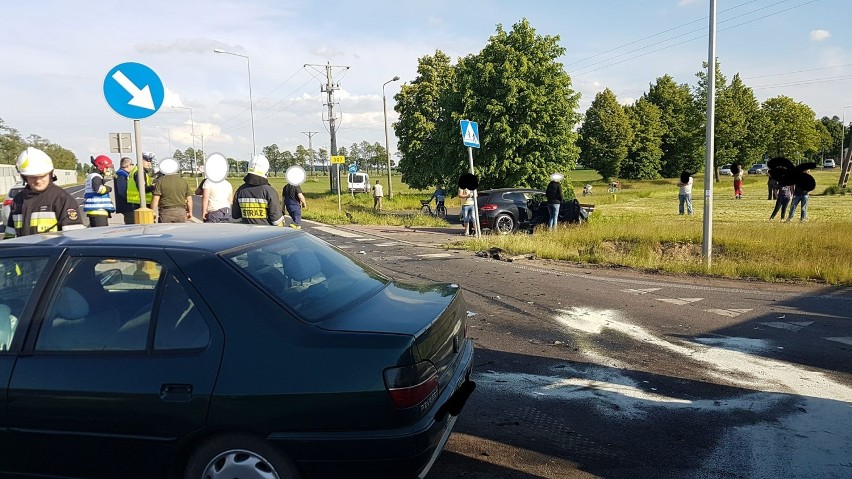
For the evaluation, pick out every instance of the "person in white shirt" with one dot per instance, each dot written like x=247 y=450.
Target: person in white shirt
x=684 y=194
x=217 y=193
x=378 y=193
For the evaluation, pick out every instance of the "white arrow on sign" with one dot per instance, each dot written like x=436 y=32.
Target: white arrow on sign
x=141 y=98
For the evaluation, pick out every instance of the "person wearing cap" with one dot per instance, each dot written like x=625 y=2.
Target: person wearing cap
x=172 y=197
x=121 y=179
x=42 y=207
x=554 y=199
x=134 y=199
x=255 y=201
x=96 y=201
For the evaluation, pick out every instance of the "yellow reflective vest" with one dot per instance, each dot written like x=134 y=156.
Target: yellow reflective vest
x=133 y=188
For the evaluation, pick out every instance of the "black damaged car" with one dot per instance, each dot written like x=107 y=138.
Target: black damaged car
x=506 y=210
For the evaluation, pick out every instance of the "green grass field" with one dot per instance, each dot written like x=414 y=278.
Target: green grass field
x=639 y=227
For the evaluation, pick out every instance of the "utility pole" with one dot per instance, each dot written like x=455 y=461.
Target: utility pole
x=328 y=89
x=310 y=134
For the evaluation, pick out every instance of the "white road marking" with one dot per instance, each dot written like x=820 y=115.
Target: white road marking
x=435 y=255
x=346 y=246
x=393 y=258
x=392 y=243
x=364 y=239
x=641 y=291
x=679 y=301
x=788 y=326
x=731 y=313
x=846 y=340
x=337 y=232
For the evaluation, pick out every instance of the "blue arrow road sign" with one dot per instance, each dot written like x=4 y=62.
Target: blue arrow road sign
x=470 y=133
x=133 y=90
x=353 y=168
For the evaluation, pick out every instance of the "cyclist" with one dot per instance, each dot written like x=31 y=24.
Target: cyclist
x=439 y=195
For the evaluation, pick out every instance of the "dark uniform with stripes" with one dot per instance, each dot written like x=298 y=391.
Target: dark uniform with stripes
x=255 y=202
x=34 y=212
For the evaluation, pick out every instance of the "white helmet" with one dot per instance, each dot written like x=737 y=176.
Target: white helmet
x=34 y=162
x=169 y=166
x=259 y=165
x=148 y=156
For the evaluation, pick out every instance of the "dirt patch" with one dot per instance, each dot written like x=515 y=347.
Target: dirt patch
x=678 y=251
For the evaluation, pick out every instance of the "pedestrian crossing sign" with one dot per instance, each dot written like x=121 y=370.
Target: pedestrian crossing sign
x=470 y=133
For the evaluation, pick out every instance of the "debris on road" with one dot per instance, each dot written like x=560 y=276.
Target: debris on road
x=500 y=254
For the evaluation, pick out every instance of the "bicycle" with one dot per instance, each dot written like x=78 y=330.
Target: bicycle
x=426 y=209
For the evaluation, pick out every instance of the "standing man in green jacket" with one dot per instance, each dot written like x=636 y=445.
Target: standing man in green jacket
x=134 y=199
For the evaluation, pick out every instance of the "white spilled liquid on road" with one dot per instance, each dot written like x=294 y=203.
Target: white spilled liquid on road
x=815 y=440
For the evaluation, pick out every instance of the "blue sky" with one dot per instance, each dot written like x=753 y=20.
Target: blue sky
x=57 y=53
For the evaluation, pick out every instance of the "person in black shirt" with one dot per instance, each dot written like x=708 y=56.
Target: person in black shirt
x=554 y=199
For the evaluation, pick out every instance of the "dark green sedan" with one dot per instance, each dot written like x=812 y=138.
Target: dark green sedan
x=205 y=351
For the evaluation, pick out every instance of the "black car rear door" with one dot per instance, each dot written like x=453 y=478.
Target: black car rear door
x=122 y=368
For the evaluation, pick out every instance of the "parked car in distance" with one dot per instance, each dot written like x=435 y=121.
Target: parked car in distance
x=828 y=163
x=7 y=204
x=358 y=182
x=726 y=170
x=506 y=210
x=758 y=169
x=200 y=351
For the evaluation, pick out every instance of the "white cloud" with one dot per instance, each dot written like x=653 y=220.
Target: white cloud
x=819 y=35
x=683 y=3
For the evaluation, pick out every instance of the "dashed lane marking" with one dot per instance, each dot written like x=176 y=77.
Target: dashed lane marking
x=435 y=255
x=391 y=243
x=393 y=258
x=730 y=313
x=364 y=239
x=641 y=291
x=337 y=232
x=789 y=326
x=679 y=301
x=846 y=340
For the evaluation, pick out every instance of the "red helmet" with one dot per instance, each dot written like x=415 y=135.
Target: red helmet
x=102 y=162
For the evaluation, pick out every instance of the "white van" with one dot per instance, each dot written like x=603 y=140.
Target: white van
x=359 y=182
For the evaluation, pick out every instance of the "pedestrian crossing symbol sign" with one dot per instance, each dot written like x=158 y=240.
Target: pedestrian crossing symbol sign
x=470 y=133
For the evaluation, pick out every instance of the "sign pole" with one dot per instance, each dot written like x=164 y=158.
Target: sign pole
x=143 y=215
x=475 y=195
x=339 y=208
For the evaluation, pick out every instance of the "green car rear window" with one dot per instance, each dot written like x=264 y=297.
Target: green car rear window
x=312 y=279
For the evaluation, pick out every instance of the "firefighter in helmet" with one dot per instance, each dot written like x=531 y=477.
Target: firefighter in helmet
x=96 y=203
x=255 y=201
x=42 y=207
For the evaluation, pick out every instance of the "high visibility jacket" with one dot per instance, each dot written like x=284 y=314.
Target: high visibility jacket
x=133 y=188
x=256 y=202
x=46 y=211
x=96 y=200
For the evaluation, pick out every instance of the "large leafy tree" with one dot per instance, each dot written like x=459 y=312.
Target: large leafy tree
x=605 y=135
x=11 y=144
x=524 y=103
x=791 y=128
x=275 y=157
x=644 y=153
x=835 y=129
x=683 y=136
x=428 y=140
x=741 y=127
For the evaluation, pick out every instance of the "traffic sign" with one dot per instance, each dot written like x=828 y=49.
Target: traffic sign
x=120 y=143
x=353 y=168
x=470 y=133
x=133 y=90
x=338 y=160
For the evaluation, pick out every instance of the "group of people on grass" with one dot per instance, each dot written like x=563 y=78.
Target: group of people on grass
x=783 y=194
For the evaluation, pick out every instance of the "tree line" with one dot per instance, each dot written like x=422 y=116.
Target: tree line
x=529 y=125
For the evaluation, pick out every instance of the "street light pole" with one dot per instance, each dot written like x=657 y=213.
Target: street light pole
x=387 y=143
x=192 y=132
x=251 y=101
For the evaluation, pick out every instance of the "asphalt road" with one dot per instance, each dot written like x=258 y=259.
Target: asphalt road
x=598 y=372
x=590 y=372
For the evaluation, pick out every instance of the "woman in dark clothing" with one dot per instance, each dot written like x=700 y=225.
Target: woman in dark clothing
x=554 y=199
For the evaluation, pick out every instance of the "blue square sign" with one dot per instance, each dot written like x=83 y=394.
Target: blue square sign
x=470 y=133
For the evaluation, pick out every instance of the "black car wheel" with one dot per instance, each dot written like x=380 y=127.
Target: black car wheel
x=504 y=224
x=238 y=456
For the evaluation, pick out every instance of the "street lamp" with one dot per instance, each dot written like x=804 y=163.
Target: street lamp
x=251 y=102
x=192 y=132
x=387 y=143
x=169 y=132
